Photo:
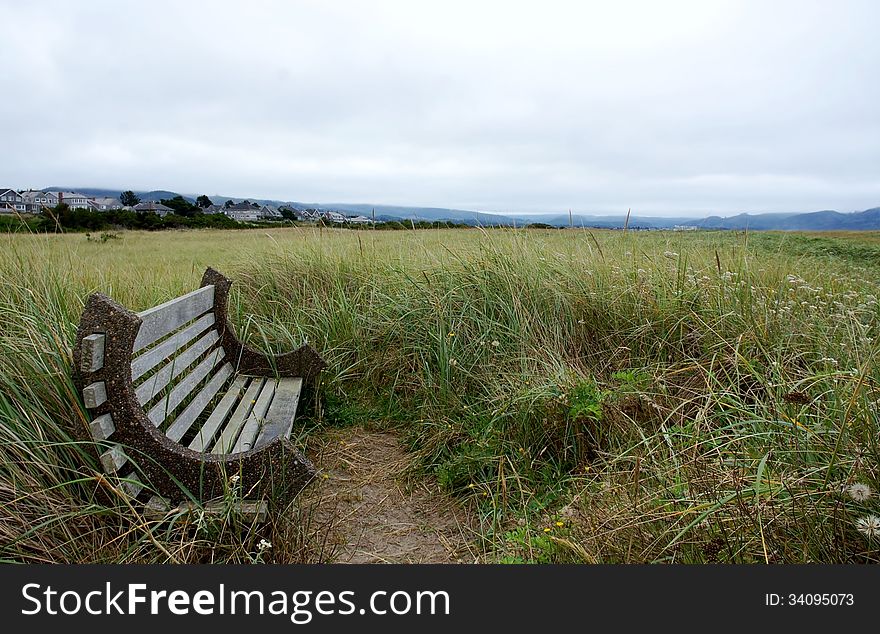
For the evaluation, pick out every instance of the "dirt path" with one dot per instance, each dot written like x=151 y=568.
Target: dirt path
x=373 y=514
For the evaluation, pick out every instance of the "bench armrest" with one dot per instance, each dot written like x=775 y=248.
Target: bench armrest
x=303 y=362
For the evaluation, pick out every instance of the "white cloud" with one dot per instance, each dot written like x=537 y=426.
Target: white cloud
x=662 y=107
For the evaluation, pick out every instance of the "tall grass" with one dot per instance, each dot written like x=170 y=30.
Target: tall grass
x=603 y=396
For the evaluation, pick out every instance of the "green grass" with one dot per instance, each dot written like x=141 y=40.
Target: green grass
x=601 y=396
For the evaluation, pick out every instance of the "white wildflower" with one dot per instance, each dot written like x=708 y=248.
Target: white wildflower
x=670 y=254
x=495 y=343
x=869 y=526
x=859 y=492
x=264 y=544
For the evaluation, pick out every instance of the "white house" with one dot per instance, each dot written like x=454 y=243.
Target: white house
x=332 y=216
x=359 y=220
x=35 y=200
x=105 y=203
x=305 y=215
x=74 y=200
x=243 y=212
x=11 y=201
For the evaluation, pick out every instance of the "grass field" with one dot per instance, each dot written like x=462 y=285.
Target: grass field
x=596 y=396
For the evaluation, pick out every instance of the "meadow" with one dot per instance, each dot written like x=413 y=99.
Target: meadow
x=591 y=396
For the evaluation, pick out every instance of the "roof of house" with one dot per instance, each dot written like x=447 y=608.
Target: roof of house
x=71 y=195
x=242 y=207
x=32 y=194
x=151 y=206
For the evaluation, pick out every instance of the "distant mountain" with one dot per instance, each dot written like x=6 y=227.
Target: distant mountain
x=150 y=196
x=755 y=222
x=429 y=214
x=811 y=221
x=159 y=194
x=609 y=222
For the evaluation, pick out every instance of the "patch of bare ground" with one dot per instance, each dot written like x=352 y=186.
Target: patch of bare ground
x=375 y=513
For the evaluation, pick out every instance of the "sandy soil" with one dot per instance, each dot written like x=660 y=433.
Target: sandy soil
x=373 y=514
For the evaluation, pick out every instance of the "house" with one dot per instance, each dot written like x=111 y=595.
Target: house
x=11 y=201
x=35 y=200
x=268 y=212
x=302 y=215
x=105 y=203
x=213 y=209
x=243 y=212
x=74 y=200
x=359 y=220
x=153 y=207
x=333 y=216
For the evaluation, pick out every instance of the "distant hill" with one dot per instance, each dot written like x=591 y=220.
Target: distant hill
x=755 y=222
x=810 y=221
x=610 y=222
x=154 y=195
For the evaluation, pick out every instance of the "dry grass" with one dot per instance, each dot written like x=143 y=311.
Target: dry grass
x=596 y=396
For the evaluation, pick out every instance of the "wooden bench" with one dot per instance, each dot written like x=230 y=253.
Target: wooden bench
x=176 y=400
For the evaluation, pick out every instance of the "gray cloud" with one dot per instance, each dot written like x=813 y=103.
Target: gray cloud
x=685 y=107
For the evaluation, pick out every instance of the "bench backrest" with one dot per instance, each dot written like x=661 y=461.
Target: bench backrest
x=178 y=366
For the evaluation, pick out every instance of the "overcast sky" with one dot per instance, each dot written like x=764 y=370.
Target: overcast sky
x=665 y=107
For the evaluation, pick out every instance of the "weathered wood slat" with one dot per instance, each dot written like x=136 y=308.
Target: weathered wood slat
x=153 y=357
x=160 y=410
x=168 y=317
x=218 y=416
x=230 y=432
x=174 y=368
x=279 y=419
x=102 y=427
x=92 y=353
x=256 y=511
x=113 y=459
x=188 y=416
x=157 y=507
x=251 y=510
x=95 y=395
x=132 y=485
x=255 y=419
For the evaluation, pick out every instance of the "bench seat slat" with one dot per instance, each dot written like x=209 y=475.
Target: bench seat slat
x=174 y=368
x=255 y=420
x=218 y=416
x=168 y=317
x=160 y=411
x=279 y=419
x=230 y=432
x=150 y=359
x=188 y=416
